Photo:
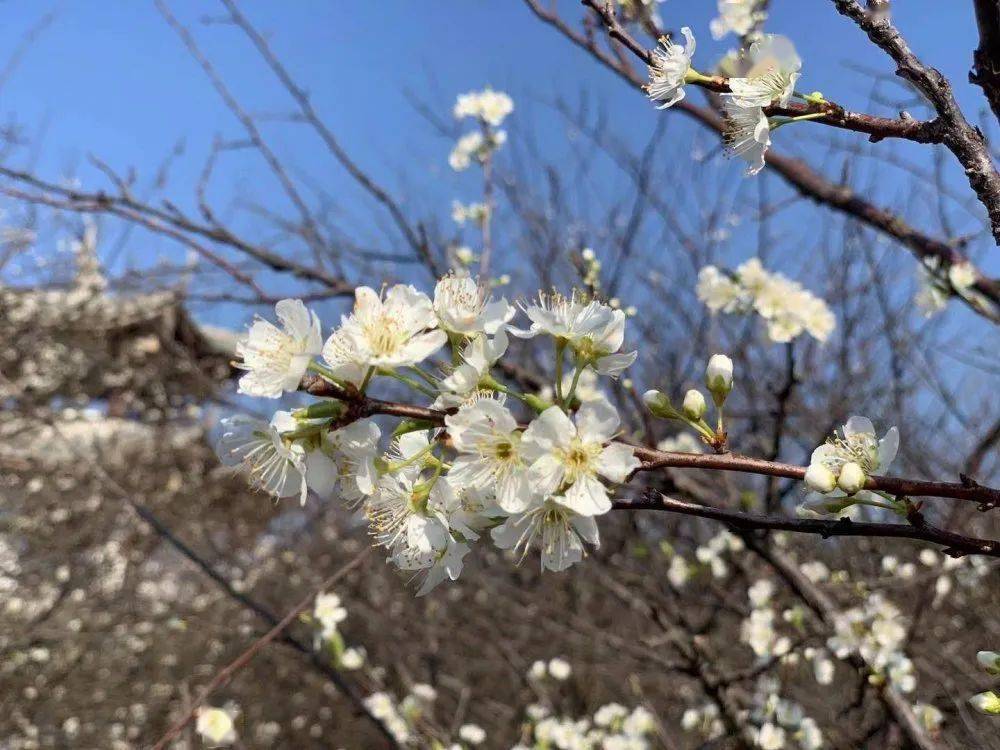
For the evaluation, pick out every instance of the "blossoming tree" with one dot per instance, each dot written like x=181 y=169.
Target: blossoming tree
x=668 y=456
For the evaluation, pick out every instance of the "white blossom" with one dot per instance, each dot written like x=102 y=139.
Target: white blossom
x=774 y=67
x=735 y=16
x=276 y=358
x=987 y=703
x=475 y=146
x=275 y=465
x=788 y=308
x=560 y=669
x=771 y=737
x=719 y=292
x=854 y=455
x=353 y=658
x=747 y=134
x=990 y=661
x=391 y=332
x=491 y=453
x=669 y=68
x=562 y=533
x=462 y=385
x=463 y=306
x=593 y=331
x=329 y=612
x=568 y=457
x=217 y=725
x=487 y=105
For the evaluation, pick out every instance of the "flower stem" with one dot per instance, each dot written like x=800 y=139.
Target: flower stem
x=403 y=379
x=560 y=348
x=367 y=379
x=426 y=376
x=325 y=373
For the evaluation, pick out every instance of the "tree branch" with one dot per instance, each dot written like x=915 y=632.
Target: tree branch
x=965 y=141
x=955 y=545
x=798 y=174
x=985 y=71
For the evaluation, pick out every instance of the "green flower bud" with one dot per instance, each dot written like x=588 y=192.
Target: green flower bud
x=694 y=405
x=987 y=703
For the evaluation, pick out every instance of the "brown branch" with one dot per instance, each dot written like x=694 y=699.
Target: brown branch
x=311 y=234
x=985 y=71
x=808 y=182
x=161 y=221
x=826 y=611
x=309 y=115
x=360 y=405
x=229 y=671
x=918 y=528
x=964 y=140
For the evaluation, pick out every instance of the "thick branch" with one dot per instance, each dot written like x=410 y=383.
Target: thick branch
x=360 y=406
x=986 y=59
x=965 y=141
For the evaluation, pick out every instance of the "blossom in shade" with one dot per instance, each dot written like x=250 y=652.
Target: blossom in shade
x=275 y=465
x=560 y=531
x=490 y=453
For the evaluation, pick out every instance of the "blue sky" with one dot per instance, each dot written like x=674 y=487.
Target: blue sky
x=112 y=79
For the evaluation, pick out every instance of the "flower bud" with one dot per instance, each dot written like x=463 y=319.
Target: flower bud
x=852 y=478
x=659 y=404
x=694 y=405
x=719 y=377
x=987 y=703
x=990 y=661
x=820 y=479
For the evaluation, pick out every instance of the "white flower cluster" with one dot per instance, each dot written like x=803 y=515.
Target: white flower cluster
x=988 y=702
x=489 y=108
x=436 y=492
x=487 y=105
x=758 y=631
x=772 y=723
x=772 y=68
x=839 y=469
x=875 y=631
x=612 y=727
x=473 y=212
x=736 y=17
x=787 y=307
x=328 y=613
x=217 y=725
x=938 y=284
x=776 y=722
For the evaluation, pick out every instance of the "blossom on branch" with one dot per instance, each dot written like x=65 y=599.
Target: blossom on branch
x=669 y=69
x=567 y=458
x=390 y=332
x=276 y=358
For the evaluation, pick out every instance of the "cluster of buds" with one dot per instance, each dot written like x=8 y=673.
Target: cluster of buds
x=694 y=407
x=988 y=702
